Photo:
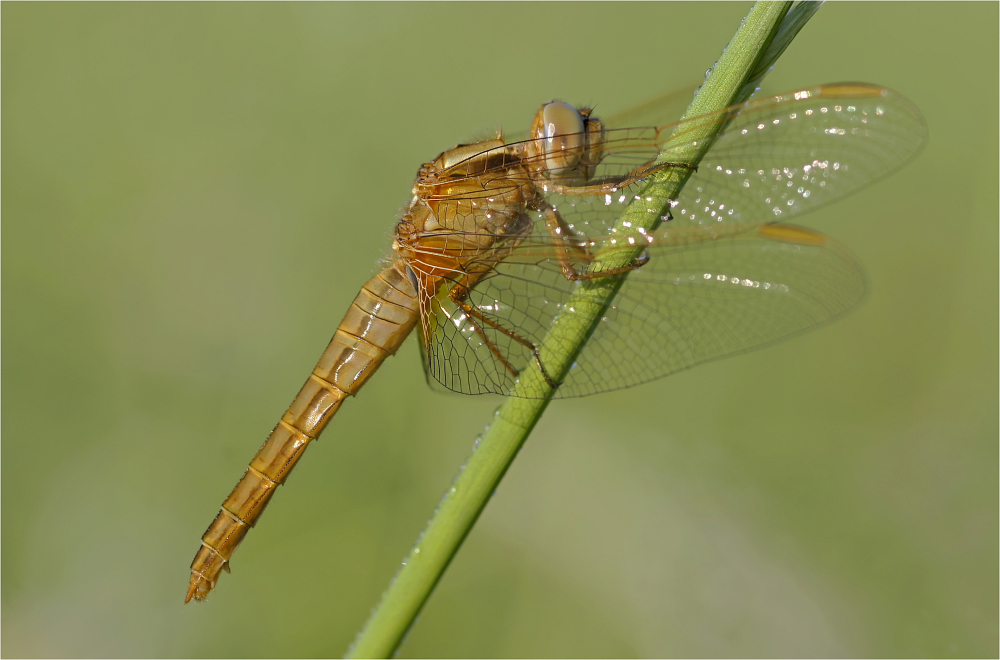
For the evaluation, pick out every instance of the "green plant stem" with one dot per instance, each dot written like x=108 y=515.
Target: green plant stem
x=743 y=63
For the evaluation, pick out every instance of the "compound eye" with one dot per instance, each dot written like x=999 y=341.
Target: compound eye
x=562 y=136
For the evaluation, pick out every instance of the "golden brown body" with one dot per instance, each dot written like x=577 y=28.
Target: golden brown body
x=378 y=321
x=485 y=260
x=429 y=254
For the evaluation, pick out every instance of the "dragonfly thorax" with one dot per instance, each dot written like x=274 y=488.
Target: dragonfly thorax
x=473 y=193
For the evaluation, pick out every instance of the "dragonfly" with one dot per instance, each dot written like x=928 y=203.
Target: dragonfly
x=499 y=235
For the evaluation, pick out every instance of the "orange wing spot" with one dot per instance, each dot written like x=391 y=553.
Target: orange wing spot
x=792 y=234
x=850 y=90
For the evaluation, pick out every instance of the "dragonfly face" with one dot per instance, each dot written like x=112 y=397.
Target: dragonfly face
x=474 y=194
x=570 y=142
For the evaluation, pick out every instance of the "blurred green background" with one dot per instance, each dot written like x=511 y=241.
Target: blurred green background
x=192 y=195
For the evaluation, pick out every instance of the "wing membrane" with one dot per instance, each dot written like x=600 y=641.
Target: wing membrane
x=722 y=277
x=690 y=303
x=776 y=158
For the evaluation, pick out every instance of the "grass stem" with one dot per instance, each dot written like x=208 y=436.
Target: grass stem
x=761 y=38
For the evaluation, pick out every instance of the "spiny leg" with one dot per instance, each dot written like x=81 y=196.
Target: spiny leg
x=559 y=230
x=459 y=295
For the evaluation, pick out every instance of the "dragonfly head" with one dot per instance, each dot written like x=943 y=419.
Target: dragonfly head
x=566 y=142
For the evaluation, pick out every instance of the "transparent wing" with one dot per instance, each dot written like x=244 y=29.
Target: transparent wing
x=774 y=158
x=796 y=152
x=658 y=111
x=777 y=157
x=693 y=301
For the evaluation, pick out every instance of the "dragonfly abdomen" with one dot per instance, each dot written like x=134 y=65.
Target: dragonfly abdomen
x=379 y=319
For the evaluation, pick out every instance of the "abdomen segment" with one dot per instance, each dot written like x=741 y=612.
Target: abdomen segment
x=374 y=327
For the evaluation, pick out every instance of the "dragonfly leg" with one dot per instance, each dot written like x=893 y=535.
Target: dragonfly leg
x=459 y=295
x=561 y=232
x=612 y=185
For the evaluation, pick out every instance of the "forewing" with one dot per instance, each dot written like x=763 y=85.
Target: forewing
x=795 y=152
x=776 y=157
x=661 y=110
